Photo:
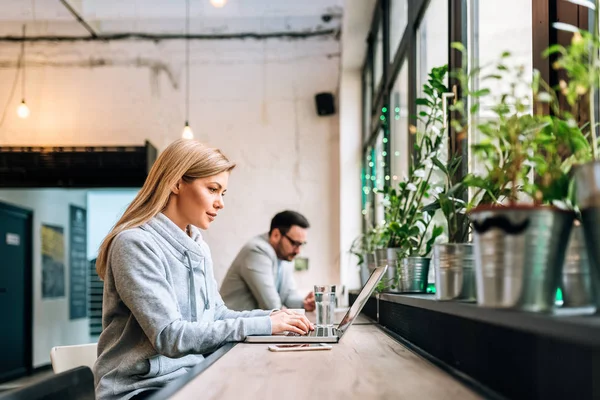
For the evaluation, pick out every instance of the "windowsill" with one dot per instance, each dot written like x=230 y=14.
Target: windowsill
x=572 y=325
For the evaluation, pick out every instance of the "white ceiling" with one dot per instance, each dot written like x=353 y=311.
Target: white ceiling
x=50 y=17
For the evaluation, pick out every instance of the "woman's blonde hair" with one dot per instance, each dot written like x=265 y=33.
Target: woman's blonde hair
x=183 y=159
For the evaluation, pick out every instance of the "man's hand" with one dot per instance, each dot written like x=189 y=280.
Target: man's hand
x=309 y=302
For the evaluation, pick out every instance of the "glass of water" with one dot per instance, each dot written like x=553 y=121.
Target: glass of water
x=325 y=304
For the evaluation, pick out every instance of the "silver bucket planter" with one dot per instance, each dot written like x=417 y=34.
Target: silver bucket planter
x=454 y=266
x=577 y=288
x=519 y=254
x=388 y=257
x=587 y=181
x=412 y=275
x=367 y=267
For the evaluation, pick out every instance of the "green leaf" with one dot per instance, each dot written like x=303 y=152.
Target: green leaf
x=555 y=48
x=481 y=92
x=458 y=46
x=439 y=164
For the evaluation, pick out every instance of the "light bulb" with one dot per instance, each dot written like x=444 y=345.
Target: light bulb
x=218 y=3
x=23 y=110
x=187 y=132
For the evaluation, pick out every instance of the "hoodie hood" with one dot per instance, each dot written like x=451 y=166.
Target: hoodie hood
x=192 y=251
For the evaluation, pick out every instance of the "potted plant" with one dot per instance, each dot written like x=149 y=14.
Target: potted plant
x=520 y=234
x=363 y=247
x=581 y=64
x=453 y=259
x=409 y=233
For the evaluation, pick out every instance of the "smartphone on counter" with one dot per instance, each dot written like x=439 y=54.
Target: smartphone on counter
x=300 y=347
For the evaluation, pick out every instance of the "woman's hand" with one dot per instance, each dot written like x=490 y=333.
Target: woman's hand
x=289 y=321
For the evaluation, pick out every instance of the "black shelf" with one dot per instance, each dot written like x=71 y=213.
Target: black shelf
x=575 y=325
x=516 y=354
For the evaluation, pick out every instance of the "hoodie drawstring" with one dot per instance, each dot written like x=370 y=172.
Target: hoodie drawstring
x=193 y=307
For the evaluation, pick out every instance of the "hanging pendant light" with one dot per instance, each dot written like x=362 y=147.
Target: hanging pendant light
x=23 y=110
x=187 y=131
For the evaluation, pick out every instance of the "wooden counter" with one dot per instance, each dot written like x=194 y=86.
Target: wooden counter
x=366 y=364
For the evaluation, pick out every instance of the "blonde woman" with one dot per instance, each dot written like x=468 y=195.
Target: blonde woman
x=161 y=305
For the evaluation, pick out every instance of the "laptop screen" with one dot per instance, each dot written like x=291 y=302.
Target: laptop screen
x=360 y=302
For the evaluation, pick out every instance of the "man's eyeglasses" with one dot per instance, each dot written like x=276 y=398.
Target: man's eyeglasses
x=294 y=243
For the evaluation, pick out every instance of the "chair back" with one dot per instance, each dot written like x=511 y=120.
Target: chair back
x=64 y=358
x=74 y=384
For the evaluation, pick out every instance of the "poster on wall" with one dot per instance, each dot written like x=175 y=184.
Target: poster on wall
x=53 y=261
x=78 y=264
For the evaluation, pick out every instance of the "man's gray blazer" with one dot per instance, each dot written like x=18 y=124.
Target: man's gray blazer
x=251 y=280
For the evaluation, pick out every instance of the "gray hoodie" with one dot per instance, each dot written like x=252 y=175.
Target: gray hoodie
x=162 y=310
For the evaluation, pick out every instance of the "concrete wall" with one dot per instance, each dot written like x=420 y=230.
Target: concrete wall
x=51 y=324
x=252 y=99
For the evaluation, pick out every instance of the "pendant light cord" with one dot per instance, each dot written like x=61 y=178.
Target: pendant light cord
x=23 y=65
x=187 y=61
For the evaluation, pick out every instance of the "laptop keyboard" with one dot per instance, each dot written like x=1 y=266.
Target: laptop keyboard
x=319 y=331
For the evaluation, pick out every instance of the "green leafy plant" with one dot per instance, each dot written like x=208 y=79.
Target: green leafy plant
x=521 y=151
x=408 y=226
x=580 y=61
x=449 y=199
x=365 y=243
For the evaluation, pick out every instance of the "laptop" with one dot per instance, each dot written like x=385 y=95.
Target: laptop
x=328 y=334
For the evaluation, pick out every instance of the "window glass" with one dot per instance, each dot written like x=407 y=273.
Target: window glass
x=498 y=27
x=379 y=177
x=378 y=57
x=367 y=96
x=432 y=49
x=399 y=126
x=398 y=22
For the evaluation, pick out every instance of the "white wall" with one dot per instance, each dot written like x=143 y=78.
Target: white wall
x=51 y=324
x=252 y=99
x=350 y=165
x=104 y=207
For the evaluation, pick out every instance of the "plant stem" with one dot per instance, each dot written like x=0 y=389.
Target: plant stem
x=593 y=90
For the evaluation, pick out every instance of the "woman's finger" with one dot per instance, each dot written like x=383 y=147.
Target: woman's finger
x=295 y=329
x=300 y=323
x=305 y=322
x=308 y=323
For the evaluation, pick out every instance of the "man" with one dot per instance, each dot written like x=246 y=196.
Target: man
x=261 y=276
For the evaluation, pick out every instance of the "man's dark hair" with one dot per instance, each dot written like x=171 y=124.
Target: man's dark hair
x=285 y=219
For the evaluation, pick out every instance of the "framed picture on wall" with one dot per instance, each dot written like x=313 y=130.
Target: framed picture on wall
x=53 y=261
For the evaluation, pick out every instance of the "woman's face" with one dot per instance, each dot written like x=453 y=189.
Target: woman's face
x=199 y=201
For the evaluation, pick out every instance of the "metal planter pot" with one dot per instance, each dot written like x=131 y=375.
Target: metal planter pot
x=587 y=181
x=367 y=267
x=388 y=257
x=576 y=286
x=454 y=265
x=412 y=275
x=519 y=253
